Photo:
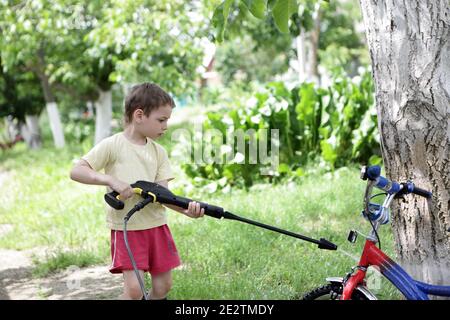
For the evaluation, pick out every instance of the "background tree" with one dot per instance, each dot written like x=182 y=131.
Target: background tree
x=21 y=99
x=79 y=50
x=318 y=33
x=43 y=37
x=254 y=51
x=143 y=40
x=410 y=51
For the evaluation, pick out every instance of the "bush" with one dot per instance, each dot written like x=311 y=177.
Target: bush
x=332 y=126
x=78 y=130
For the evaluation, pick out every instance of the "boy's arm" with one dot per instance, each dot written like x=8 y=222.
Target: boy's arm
x=84 y=173
x=192 y=211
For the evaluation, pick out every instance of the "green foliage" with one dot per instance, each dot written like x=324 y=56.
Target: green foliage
x=147 y=40
x=334 y=126
x=282 y=12
x=79 y=130
x=20 y=94
x=220 y=18
x=45 y=37
x=242 y=59
x=340 y=45
x=257 y=7
x=83 y=47
x=256 y=50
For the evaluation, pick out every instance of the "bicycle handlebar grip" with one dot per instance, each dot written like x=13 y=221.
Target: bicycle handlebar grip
x=422 y=192
x=373 y=172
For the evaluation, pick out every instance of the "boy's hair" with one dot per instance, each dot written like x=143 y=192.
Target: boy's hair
x=148 y=97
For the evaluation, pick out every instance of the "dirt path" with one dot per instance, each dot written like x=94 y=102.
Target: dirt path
x=17 y=283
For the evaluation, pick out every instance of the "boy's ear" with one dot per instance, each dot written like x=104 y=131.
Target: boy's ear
x=138 y=114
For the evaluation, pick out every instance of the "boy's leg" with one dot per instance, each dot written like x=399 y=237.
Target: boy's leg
x=131 y=288
x=161 y=285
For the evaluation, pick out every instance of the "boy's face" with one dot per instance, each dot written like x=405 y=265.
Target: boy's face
x=155 y=124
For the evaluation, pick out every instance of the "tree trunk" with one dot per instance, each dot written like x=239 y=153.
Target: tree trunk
x=301 y=56
x=307 y=46
x=53 y=112
x=11 y=128
x=50 y=101
x=103 y=107
x=30 y=132
x=313 y=72
x=55 y=124
x=410 y=50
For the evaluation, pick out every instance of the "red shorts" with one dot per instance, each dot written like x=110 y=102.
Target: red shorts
x=153 y=250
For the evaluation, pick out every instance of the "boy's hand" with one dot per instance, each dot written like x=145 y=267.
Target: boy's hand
x=124 y=189
x=194 y=210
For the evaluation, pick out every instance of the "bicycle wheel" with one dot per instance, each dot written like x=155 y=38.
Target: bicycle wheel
x=331 y=291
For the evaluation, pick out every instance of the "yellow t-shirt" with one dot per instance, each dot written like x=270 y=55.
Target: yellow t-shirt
x=129 y=163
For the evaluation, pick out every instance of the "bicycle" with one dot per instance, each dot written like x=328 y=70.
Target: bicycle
x=353 y=285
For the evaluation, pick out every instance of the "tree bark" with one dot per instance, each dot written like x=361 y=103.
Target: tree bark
x=307 y=46
x=30 y=132
x=409 y=43
x=301 y=56
x=55 y=124
x=103 y=117
x=52 y=107
x=313 y=72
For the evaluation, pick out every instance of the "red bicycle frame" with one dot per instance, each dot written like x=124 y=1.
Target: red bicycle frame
x=411 y=289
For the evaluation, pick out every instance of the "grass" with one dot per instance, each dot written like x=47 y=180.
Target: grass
x=59 y=260
x=231 y=260
x=222 y=259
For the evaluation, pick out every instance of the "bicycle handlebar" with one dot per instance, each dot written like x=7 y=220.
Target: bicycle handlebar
x=373 y=173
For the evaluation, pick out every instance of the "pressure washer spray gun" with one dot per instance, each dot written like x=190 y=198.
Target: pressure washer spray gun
x=153 y=192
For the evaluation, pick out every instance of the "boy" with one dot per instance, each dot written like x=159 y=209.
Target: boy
x=126 y=157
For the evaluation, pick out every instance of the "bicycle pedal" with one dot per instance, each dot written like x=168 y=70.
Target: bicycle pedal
x=352 y=236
